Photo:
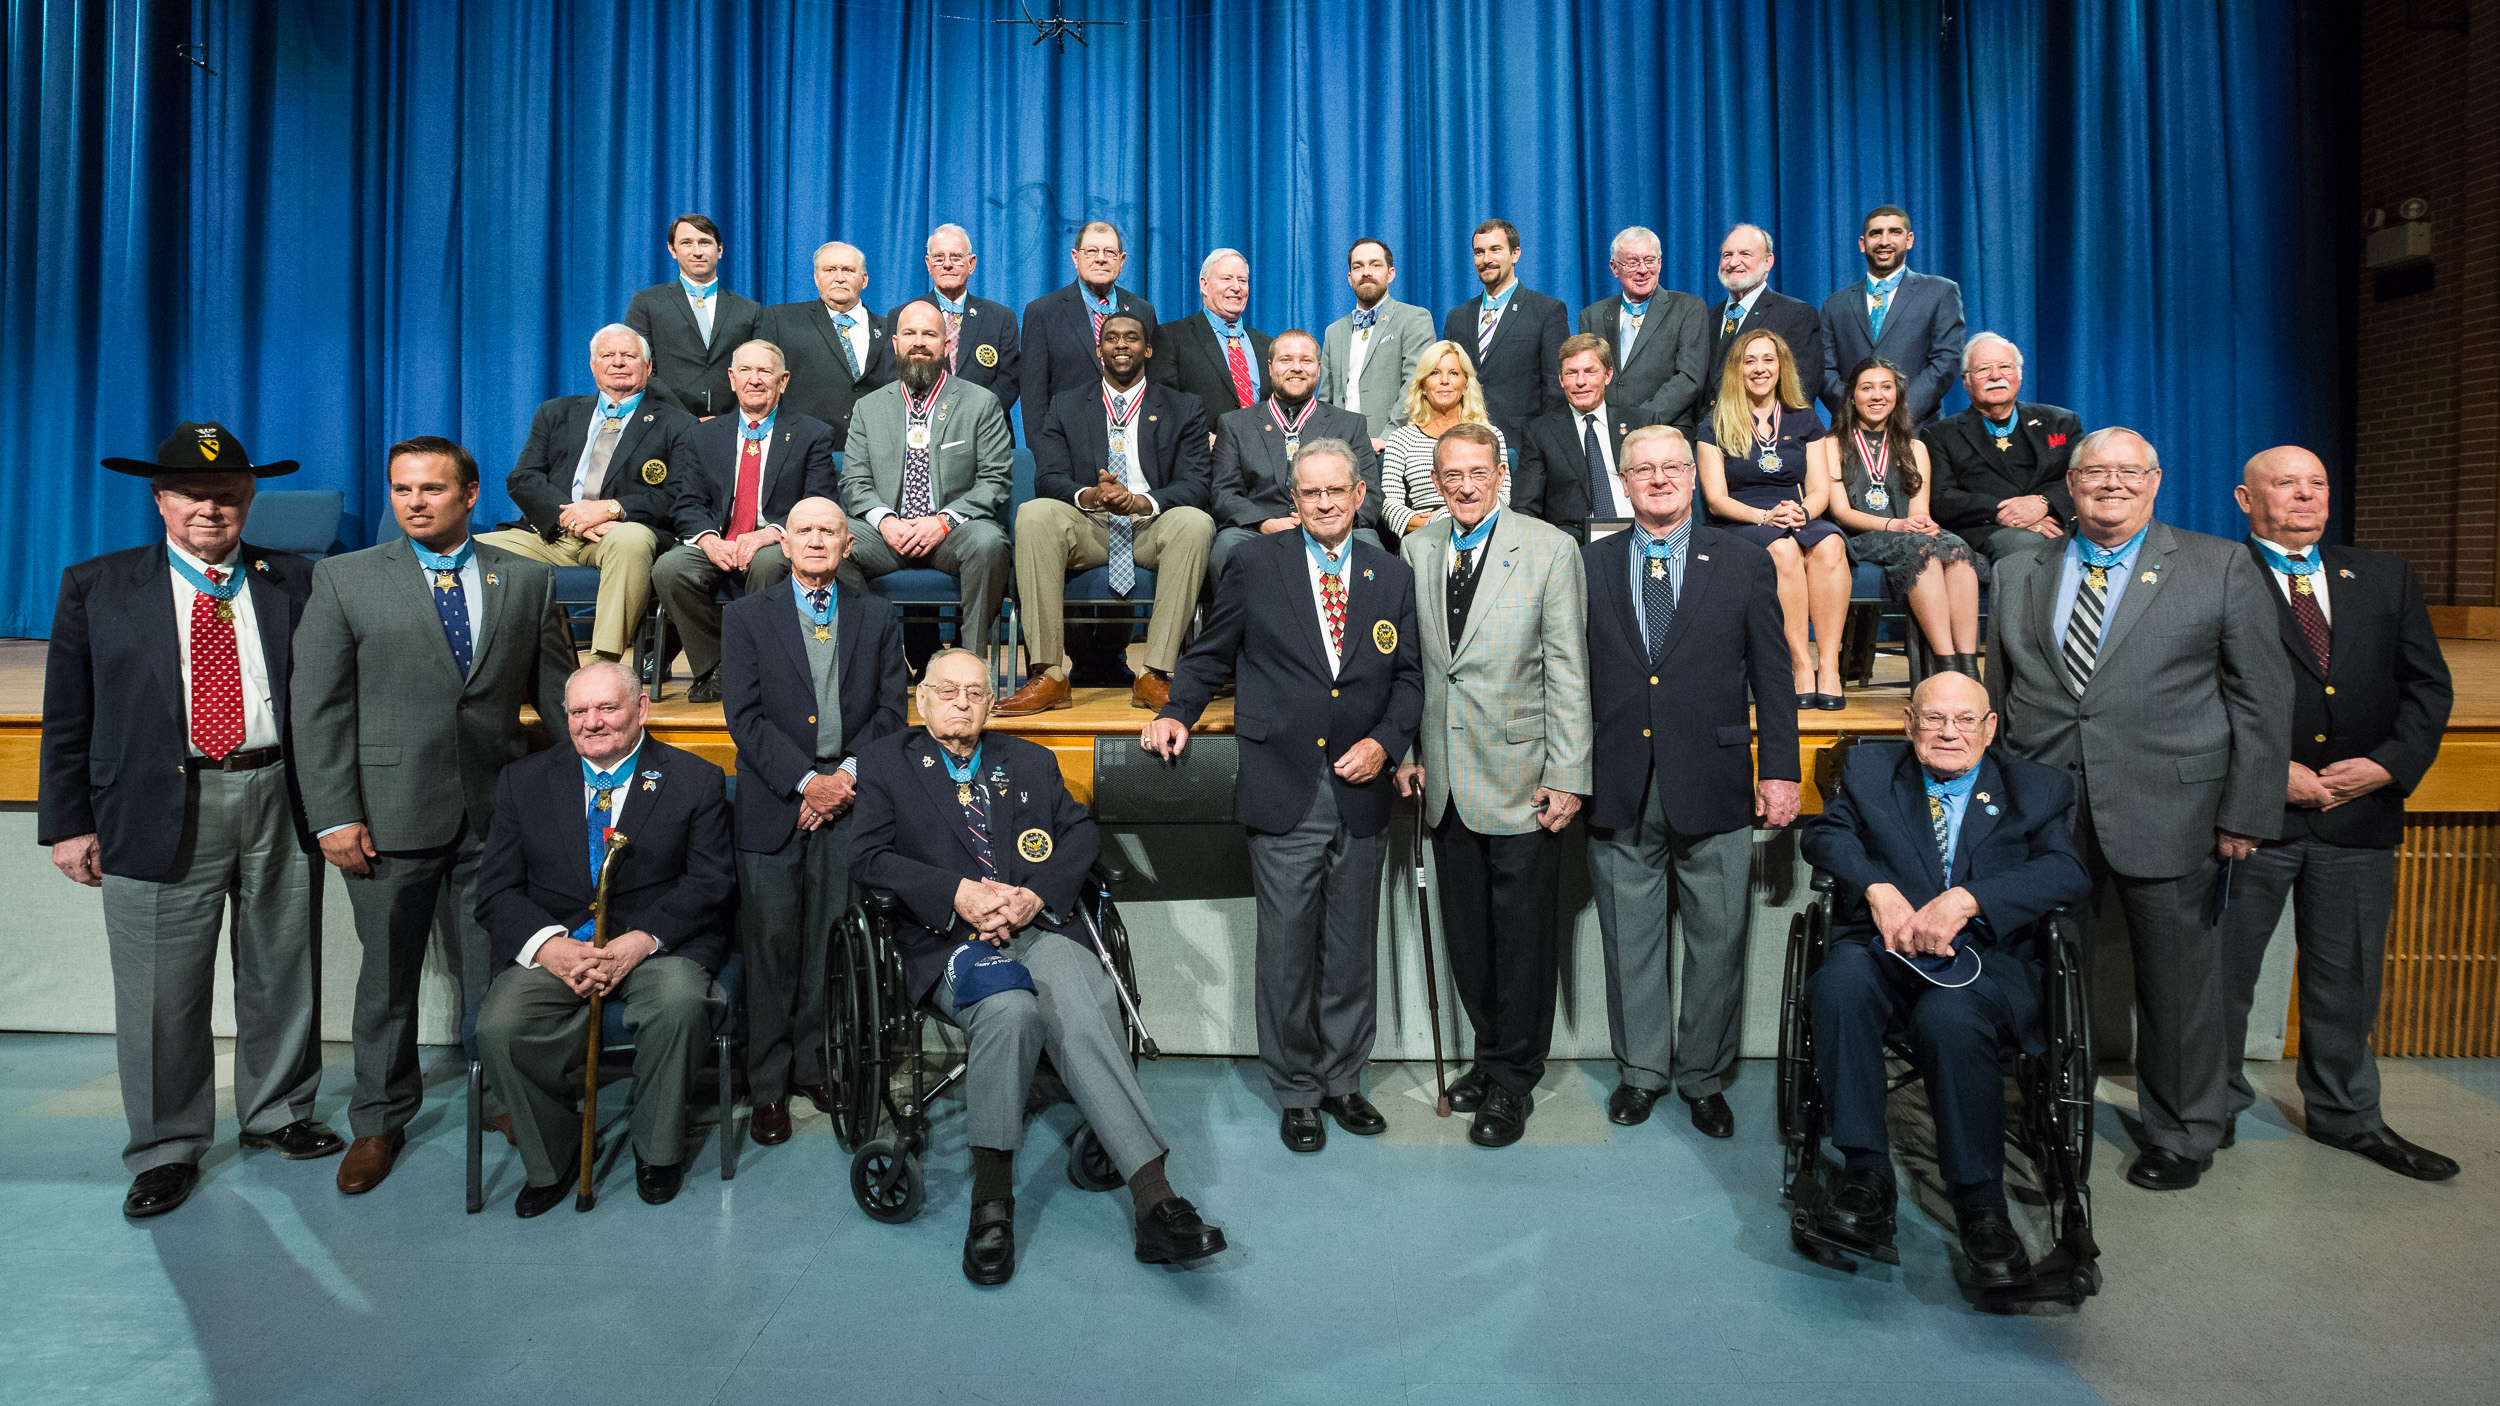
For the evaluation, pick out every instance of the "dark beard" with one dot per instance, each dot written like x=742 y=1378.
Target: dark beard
x=919 y=375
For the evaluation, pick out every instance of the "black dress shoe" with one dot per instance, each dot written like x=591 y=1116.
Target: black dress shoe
x=1355 y=1114
x=990 y=1243
x=160 y=1189
x=1712 y=1115
x=658 y=1185
x=2160 y=1169
x=2394 y=1153
x=820 y=1095
x=1830 y=702
x=1302 y=1130
x=1171 y=1233
x=299 y=1141
x=1467 y=1092
x=705 y=689
x=2231 y=1131
x=1808 y=702
x=1995 y=1252
x=1862 y=1209
x=539 y=1200
x=1629 y=1107
x=1502 y=1120
x=769 y=1124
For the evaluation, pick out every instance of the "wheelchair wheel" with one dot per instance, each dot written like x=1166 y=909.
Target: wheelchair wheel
x=862 y=1018
x=2076 y=1074
x=886 y=1182
x=1090 y=1167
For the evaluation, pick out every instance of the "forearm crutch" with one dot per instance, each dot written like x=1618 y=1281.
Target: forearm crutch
x=1432 y=980
x=1102 y=953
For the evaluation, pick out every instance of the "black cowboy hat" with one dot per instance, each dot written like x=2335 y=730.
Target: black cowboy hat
x=203 y=448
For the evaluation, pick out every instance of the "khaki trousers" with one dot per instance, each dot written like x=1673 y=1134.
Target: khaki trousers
x=1055 y=539
x=623 y=555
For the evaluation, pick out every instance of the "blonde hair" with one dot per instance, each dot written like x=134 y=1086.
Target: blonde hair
x=1731 y=420
x=1470 y=398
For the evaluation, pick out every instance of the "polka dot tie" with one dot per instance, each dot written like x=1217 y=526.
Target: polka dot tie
x=216 y=677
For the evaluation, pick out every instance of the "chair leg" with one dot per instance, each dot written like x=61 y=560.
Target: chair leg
x=728 y=1111
x=477 y=1137
x=655 y=632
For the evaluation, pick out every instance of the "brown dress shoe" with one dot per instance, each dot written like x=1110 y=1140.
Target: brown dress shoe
x=818 y=1094
x=770 y=1124
x=502 y=1123
x=1152 y=690
x=369 y=1160
x=1040 y=694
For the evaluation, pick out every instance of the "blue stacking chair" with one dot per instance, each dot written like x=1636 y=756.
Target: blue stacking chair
x=304 y=521
x=926 y=593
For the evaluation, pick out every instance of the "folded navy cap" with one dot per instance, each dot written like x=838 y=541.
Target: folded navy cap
x=976 y=971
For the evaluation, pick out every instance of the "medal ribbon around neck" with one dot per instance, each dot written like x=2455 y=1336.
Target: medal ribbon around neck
x=201 y=584
x=918 y=407
x=1292 y=428
x=962 y=776
x=1136 y=397
x=1876 y=463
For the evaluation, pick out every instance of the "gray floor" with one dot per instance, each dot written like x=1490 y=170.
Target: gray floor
x=1591 y=1265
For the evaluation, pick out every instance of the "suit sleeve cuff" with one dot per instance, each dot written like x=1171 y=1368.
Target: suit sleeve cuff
x=538 y=939
x=707 y=532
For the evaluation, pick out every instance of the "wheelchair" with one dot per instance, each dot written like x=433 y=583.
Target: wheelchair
x=876 y=1038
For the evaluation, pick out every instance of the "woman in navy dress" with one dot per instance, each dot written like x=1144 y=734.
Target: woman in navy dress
x=1763 y=457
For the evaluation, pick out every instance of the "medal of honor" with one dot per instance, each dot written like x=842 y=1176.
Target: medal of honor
x=2004 y=443
x=603 y=801
x=2099 y=578
x=823 y=633
x=917 y=437
x=1657 y=569
x=224 y=612
x=2301 y=584
x=963 y=793
x=444 y=580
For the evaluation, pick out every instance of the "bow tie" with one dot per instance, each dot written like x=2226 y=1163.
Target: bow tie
x=1364 y=318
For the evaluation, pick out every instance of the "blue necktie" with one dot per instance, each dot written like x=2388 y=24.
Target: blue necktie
x=1882 y=289
x=451 y=599
x=1940 y=819
x=974 y=797
x=602 y=808
x=843 y=323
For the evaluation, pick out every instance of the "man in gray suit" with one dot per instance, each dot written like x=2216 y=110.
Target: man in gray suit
x=1255 y=445
x=413 y=661
x=1502 y=757
x=1367 y=357
x=1660 y=337
x=2143 y=660
x=927 y=468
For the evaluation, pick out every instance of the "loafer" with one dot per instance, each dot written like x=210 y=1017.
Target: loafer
x=368 y=1160
x=537 y=1201
x=705 y=689
x=1862 y=1208
x=1151 y=691
x=159 y=1189
x=990 y=1243
x=658 y=1184
x=1712 y=1115
x=1040 y=694
x=1171 y=1233
x=1355 y=1114
x=1302 y=1130
x=770 y=1123
x=1467 y=1093
x=2394 y=1153
x=299 y=1141
x=1502 y=1120
x=1629 y=1107
x=2160 y=1169
x=1995 y=1252
x=820 y=1095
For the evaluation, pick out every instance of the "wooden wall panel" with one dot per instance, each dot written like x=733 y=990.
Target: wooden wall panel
x=2441 y=990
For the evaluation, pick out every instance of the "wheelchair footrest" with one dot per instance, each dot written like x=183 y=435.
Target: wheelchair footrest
x=1832 y=1247
x=2059 y=1277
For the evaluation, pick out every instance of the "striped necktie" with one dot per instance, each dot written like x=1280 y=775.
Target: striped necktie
x=2083 y=629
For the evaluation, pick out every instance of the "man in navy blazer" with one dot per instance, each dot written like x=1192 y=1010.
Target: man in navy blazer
x=1513 y=333
x=1745 y=262
x=1063 y=327
x=1317 y=628
x=168 y=781
x=1945 y=851
x=1913 y=320
x=801 y=698
x=983 y=345
x=557 y=813
x=1195 y=353
x=1671 y=821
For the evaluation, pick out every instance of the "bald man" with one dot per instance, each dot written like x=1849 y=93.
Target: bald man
x=2370 y=697
x=836 y=349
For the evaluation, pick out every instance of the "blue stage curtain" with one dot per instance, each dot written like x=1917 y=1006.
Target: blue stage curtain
x=390 y=219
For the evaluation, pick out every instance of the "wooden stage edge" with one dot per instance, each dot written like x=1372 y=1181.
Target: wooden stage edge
x=2465 y=779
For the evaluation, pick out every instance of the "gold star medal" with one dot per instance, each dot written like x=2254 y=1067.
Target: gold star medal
x=1657 y=569
x=963 y=793
x=2301 y=584
x=224 y=612
x=824 y=633
x=444 y=580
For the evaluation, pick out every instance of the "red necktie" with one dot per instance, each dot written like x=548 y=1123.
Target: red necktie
x=1332 y=600
x=1240 y=363
x=216 y=676
x=2312 y=621
x=954 y=338
x=750 y=487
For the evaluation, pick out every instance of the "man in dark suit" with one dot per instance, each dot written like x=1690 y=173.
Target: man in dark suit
x=692 y=323
x=597 y=483
x=1122 y=480
x=1682 y=617
x=747 y=470
x=1254 y=449
x=1913 y=320
x=1319 y=631
x=557 y=815
x=2370 y=698
x=1745 y=261
x=977 y=836
x=833 y=345
x=1944 y=851
x=1212 y=354
x=1659 y=337
x=810 y=676
x=2000 y=465
x=171 y=661
x=1514 y=333
x=413 y=662
x=2147 y=663
x=982 y=344
x=1567 y=470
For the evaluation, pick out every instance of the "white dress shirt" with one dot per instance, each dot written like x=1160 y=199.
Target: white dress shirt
x=616 y=817
x=260 y=707
x=1616 y=504
x=2317 y=579
x=1319 y=603
x=1136 y=441
x=857 y=336
x=1358 y=349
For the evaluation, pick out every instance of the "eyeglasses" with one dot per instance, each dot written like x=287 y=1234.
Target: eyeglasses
x=1325 y=494
x=949 y=260
x=1661 y=471
x=1935 y=722
x=2127 y=474
x=1474 y=478
x=1648 y=265
x=949 y=692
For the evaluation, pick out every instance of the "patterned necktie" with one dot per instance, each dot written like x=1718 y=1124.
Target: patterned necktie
x=1332 y=604
x=1937 y=818
x=2305 y=612
x=750 y=496
x=2083 y=628
x=602 y=814
x=1121 y=566
x=594 y=480
x=1485 y=322
x=954 y=338
x=216 y=672
x=451 y=601
x=917 y=494
x=1237 y=361
x=1601 y=489
x=1657 y=602
x=975 y=799
x=843 y=323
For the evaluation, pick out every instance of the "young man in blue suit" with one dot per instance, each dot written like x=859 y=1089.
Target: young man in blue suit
x=1913 y=320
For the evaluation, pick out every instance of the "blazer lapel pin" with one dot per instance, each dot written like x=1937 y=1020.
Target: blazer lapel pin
x=926 y=762
x=2346 y=573
x=490 y=579
x=651 y=781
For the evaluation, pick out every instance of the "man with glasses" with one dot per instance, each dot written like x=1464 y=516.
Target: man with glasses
x=982 y=345
x=1659 y=337
x=2144 y=661
x=1745 y=261
x=810 y=675
x=1254 y=451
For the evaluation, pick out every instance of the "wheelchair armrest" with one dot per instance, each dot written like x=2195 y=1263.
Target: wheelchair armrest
x=1823 y=882
x=885 y=903
x=1108 y=871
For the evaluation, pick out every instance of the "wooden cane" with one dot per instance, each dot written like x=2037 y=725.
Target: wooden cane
x=583 y=1198
x=1432 y=980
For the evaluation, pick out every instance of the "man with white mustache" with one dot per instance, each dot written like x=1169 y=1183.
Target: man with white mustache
x=2000 y=466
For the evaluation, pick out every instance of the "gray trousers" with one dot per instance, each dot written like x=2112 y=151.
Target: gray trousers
x=398 y=907
x=2341 y=898
x=1645 y=876
x=1318 y=993
x=531 y=1036
x=788 y=903
x=1998 y=543
x=239 y=850
x=1073 y=1013
x=685 y=580
x=976 y=554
